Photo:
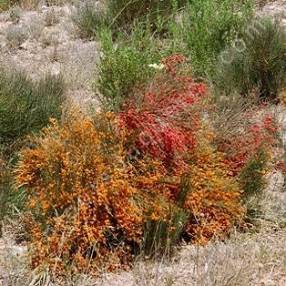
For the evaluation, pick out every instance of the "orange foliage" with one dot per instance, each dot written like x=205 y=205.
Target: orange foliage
x=82 y=196
x=214 y=197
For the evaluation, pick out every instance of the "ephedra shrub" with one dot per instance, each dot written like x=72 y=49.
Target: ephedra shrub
x=79 y=191
x=167 y=123
x=26 y=106
x=143 y=178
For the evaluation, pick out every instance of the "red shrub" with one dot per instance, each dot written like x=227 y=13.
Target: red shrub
x=239 y=149
x=164 y=122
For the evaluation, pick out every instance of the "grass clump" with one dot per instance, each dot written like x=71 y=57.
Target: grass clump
x=162 y=236
x=26 y=106
x=124 y=13
x=252 y=175
x=261 y=65
x=88 y=19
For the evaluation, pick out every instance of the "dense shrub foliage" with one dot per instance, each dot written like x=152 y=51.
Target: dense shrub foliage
x=164 y=120
x=124 y=66
x=143 y=178
x=79 y=187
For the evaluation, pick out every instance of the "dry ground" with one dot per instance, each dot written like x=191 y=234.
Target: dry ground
x=45 y=41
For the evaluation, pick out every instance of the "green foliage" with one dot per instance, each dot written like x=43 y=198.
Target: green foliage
x=4 y=5
x=124 y=13
x=261 y=65
x=4 y=190
x=196 y=31
x=253 y=182
x=125 y=64
x=11 y=200
x=160 y=236
x=207 y=27
x=26 y=106
x=252 y=177
x=121 y=15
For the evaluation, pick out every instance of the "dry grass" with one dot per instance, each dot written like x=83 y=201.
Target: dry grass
x=244 y=259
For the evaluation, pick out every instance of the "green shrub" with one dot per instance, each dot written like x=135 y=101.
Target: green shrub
x=26 y=106
x=125 y=64
x=197 y=32
x=121 y=15
x=261 y=65
x=253 y=182
x=252 y=177
x=124 y=13
x=207 y=27
x=161 y=236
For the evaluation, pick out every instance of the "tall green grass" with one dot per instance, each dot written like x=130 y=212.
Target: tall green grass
x=26 y=106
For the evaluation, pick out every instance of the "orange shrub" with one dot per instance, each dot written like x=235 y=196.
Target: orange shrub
x=79 y=190
x=214 y=199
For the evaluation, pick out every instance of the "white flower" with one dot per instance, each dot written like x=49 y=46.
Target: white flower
x=156 y=66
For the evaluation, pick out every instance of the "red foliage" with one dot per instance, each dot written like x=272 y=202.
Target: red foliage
x=158 y=124
x=239 y=149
